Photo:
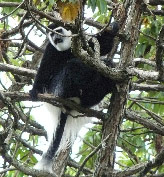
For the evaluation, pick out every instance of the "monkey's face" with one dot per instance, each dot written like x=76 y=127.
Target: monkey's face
x=60 y=39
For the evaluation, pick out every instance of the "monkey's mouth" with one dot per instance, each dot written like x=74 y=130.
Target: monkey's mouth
x=58 y=40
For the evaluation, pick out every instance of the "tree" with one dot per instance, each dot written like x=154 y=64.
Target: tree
x=128 y=138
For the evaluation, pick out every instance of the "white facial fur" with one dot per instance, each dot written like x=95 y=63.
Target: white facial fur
x=62 y=46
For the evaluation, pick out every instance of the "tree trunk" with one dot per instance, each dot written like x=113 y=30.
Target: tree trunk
x=132 y=13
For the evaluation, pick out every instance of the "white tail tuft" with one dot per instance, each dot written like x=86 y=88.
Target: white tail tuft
x=45 y=165
x=75 y=121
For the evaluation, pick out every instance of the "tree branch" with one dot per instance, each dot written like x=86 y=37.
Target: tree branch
x=23 y=168
x=152 y=125
x=147 y=87
x=146 y=75
x=17 y=70
x=160 y=52
x=153 y=163
x=19 y=96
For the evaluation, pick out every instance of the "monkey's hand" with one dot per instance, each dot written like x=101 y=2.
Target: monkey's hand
x=34 y=94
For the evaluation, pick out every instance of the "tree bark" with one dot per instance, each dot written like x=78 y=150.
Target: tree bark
x=116 y=110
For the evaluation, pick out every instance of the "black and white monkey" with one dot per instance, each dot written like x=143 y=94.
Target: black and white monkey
x=62 y=74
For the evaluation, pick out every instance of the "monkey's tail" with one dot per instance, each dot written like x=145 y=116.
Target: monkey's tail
x=65 y=130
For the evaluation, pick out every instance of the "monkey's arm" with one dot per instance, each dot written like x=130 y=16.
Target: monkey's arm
x=106 y=39
x=44 y=73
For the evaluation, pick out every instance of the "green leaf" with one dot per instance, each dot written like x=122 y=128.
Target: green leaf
x=102 y=5
x=92 y=4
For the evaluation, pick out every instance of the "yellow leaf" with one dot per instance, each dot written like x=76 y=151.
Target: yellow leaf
x=36 y=2
x=146 y=22
x=68 y=11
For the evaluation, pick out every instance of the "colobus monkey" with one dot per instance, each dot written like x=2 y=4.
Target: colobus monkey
x=62 y=74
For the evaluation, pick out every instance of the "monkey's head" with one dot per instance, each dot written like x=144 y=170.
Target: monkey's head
x=60 y=39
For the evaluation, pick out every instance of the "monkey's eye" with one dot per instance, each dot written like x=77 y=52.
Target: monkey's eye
x=59 y=30
x=58 y=40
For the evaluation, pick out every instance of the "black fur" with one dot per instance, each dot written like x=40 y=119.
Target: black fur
x=56 y=138
x=77 y=80
x=66 y=76
x=53 y=62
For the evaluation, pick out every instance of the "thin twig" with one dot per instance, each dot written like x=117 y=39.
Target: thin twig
x=13 y=11
x=90 y=155
x=48 y=29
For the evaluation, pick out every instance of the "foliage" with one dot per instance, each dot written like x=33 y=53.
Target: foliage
x=100 y=4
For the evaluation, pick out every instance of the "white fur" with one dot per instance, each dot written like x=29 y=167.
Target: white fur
x=45 y=165
x=66 y=44
x=74 y=123
x=53 y=114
